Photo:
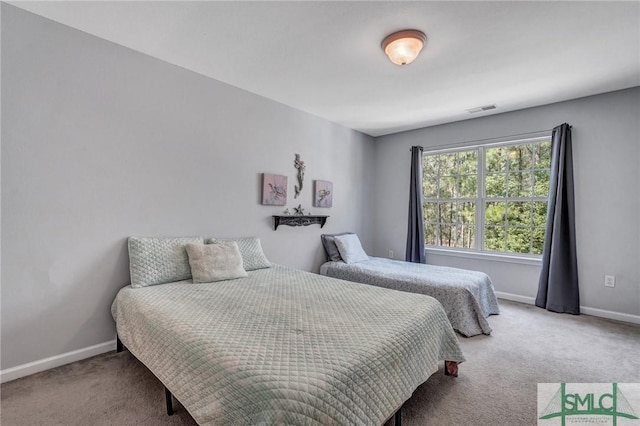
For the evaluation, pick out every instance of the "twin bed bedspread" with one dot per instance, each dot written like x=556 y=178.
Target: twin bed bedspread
x=467 y=296
x=284 y=346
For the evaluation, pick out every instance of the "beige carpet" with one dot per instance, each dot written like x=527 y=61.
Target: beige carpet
x=496 y=386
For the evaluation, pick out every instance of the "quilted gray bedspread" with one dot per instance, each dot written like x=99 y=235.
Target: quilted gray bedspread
x=284 y=346
x=467 y=296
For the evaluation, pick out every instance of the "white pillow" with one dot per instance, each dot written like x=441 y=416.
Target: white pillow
x=215 y=262
x=251 y=251
x=350 y=248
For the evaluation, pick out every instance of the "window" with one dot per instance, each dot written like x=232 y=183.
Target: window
x=487 y=198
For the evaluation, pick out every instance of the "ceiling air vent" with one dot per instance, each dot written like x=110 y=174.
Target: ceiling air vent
x=481 y=108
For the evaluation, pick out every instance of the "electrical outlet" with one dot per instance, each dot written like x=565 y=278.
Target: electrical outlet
x=390 y=254
x=609 y=281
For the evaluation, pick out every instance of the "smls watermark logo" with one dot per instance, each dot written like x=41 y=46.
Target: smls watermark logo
x=561 y=404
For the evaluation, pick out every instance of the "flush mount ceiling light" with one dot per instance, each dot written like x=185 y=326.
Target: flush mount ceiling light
x=403 y=47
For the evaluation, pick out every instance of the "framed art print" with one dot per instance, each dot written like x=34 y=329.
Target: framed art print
x=323 y=193
x=274 y=189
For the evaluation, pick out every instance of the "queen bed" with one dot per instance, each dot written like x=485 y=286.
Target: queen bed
x=283 y=346
x=467 y=296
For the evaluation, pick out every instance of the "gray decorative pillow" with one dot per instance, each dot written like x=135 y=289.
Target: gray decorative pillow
x=251 y=250
x=159 y=260
x=215 y=262
x=350 y=248
x=330 y=247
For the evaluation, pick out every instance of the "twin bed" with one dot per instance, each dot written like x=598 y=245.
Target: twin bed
x=281 y=346
x=467 y=296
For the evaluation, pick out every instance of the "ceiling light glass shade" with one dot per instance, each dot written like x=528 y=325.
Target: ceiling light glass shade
x=404 y=46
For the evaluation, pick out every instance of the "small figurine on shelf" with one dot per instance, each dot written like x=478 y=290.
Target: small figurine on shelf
x=287 y=212
x=299 y=210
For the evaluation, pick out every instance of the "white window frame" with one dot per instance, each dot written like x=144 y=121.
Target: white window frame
x=480 y=252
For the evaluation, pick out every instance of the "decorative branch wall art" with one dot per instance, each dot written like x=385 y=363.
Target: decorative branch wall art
x=274 y=189
x=323 y=193
x=299 y=164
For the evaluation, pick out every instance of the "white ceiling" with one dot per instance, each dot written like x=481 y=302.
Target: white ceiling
x=325 y=57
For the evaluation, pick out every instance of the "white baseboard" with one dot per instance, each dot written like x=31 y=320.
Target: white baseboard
x=602 y=313
x=618 y=316
x=516 y=297
x=23 y=370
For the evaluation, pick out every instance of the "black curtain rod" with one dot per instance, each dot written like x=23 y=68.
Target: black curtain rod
x=478 y=141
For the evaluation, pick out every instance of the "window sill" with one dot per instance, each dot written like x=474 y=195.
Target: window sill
x=523 y=260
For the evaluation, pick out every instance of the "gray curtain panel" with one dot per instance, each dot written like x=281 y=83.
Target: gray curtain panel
x=558 y=285
x=415 y=229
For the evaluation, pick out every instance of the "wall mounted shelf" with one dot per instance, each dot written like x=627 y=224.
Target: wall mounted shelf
x=298 y=220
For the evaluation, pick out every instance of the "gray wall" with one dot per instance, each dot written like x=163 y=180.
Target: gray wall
x=606 y=148
x=100 y=142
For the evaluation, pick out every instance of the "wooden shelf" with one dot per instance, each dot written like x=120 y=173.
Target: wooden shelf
x=298 y=220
